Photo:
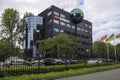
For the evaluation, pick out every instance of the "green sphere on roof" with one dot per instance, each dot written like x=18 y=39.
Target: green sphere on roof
x=77 y=15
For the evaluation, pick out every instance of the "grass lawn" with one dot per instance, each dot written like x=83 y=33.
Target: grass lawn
x=53 y=75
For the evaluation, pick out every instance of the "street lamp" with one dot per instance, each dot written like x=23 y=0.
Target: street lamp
x=88 y=51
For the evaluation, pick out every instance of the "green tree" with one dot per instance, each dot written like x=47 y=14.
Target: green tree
x=5 y=48
x=41 y=47
x=10 y=18
x=59 y=45
x=63 y=43
x=27 y=14
x=111 y=51
x=21 y=26
x=118 y=51
x=99 y=49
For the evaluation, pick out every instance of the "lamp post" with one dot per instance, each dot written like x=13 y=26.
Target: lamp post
x=88 y=51
x=66 y=59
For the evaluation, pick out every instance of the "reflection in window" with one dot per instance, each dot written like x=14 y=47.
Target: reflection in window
x=68 y=25
x=50 y=21
x=56 y=29
x=73 y=27
x=78 y=28
x=90 y=26
x=61 y=15
x=61 y=31
x=90 y=32
x=49 y=13
x=56 y=13
x=86 y=25
x=86 y=30
x=82 y=29
x=56 y=21
x=62 y=23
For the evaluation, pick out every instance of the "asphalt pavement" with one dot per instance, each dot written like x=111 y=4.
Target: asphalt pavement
x=104 y=75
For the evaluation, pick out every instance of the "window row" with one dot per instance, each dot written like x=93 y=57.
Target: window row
x=69 y=26
x=85 y=43
x=58 y=30
x=56 y=13
x=88 y=26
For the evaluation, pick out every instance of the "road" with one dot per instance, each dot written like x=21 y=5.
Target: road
x=104 y=75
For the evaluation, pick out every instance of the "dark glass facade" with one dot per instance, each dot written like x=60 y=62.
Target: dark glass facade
x=56 y=21
x=32 y=23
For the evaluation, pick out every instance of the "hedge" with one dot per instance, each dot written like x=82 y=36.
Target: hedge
x=54 y=75
x=14 y=71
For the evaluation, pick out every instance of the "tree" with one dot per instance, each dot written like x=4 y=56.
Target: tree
x=4 y=47
x=10 y=18
x=63 y=43
x=111 y=51
x=27 y=14
x=59 y=45
x=41 y=47
x=99 y=49
x=118 y=51
x=21 y=27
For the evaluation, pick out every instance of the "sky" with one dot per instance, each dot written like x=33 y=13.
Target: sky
x=104 y=14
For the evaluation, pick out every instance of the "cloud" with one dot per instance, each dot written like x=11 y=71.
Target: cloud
x=104 y=14
x=36 y=6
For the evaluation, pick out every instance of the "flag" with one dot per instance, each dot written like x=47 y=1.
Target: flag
x=118 y=36
x=104 y=37
x=110 y=38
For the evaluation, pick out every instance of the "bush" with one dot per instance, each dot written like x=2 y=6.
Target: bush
x=14 y=71
x=53 y=75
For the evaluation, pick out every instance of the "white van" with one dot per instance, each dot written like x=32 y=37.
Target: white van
x=14 y=61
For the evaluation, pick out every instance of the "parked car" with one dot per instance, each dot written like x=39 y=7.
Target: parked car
x=34 y=62
x=53 y=61
x=107 y=60
x=68 y=61
x=73 y=61
x=13 y=61
x=95 y=60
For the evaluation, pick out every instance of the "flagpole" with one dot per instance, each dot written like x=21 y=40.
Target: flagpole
x=115 y=50
x=107 y=52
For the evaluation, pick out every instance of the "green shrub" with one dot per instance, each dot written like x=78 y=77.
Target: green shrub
x=53 y=75
x=14 y=71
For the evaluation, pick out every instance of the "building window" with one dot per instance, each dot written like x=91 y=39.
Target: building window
x=56 y=13
x=61 y=31
x=82 y=29
x=86 y=25
x=50 y=21
x=56 y=29
x=86 y=30
x=78 y=28
x=90 y=26
x=62 y=23
x=49 y=13
x=68 y=25
x=73 y=27
x=56 y=21
x=37 y=31
x=90 y=32
x=61 y=15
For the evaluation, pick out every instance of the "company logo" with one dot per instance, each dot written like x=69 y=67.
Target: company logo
x=62 y=19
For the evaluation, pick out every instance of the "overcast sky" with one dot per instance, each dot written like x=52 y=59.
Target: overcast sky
x=104 y=14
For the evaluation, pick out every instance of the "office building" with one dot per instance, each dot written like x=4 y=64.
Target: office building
x=32 y=24
x=56 y=21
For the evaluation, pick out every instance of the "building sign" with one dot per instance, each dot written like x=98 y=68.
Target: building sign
x=62 y=19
